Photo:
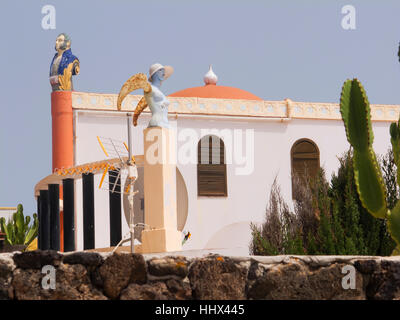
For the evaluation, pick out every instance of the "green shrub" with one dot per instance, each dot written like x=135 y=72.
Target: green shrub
x=328 y=218
x=363 y=234
x=17 y=229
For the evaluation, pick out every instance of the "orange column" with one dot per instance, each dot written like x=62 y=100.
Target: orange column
x=62 y=139
x=63 y=133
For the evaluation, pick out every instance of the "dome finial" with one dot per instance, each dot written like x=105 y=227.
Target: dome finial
x=210 y=77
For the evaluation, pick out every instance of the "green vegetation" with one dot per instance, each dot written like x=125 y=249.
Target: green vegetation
x=355 y=110
x=17 y=229
x=328 y=218
x=357 y=213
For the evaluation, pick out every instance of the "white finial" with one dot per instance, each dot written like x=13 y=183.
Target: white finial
x=210 y=77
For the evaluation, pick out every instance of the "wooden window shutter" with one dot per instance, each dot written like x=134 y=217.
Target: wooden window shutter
x=304 y=159
x=211 y=167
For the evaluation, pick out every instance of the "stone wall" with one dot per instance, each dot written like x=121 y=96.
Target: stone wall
x=90 y=275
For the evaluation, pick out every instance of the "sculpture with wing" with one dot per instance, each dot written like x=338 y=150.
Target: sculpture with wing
x=153 y=97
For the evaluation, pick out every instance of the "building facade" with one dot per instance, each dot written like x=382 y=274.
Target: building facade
x=222 y=185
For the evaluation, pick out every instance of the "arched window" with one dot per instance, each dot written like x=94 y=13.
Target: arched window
x=211 y=167
x=305 y=159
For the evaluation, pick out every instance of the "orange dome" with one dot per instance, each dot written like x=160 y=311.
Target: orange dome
x=215 y=91
x=211 y=90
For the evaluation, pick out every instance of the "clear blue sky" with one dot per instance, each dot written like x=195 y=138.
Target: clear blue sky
x=275 y=49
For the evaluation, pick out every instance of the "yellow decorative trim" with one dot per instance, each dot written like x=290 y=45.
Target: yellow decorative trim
x=102 y=146
x=75 y=172
x=104 y=175
x=233 y=107
x=126 y=147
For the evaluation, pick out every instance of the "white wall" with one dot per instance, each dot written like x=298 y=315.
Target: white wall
x=89 y=125
x=217 y=222
x=7 y=213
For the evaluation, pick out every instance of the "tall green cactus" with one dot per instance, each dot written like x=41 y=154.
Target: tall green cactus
x=17 y=229
x=355 y=110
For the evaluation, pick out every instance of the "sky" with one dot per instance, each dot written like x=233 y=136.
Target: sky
x=294 y=49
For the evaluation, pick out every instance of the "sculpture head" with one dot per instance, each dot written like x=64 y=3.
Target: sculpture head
x=63 y=42
x=159 y=73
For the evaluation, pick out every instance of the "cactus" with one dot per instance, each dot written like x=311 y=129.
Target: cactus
x=355 y=110
x=398 y=52
x=17 y=229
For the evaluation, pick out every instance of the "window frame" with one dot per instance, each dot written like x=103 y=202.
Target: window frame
x=292 y=153
x=201 y=168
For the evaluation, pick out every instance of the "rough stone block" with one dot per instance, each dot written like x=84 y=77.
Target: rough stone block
x=153 y=291
x=121 y=269
x=72 y=283
x=295 y=281
x=89 y=259
x=37 y=259
x=168 y=266
x=217 y=278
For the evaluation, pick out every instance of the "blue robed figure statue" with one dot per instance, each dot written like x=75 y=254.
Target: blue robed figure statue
x=64 y=65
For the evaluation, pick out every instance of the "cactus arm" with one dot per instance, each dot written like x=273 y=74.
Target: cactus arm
x=396 y=251
x=3 y=225
x=395 y=141
x=393 y=223
x=20 y=226
x=355 y=110
x=398 y=52
x=33 y=231
x=27 y=221
x=394 y=215
x=10 y=233
x=6 y=229
x=369 y=183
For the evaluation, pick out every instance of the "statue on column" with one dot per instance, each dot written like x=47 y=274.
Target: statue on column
x=64 y=65
x=153 y=97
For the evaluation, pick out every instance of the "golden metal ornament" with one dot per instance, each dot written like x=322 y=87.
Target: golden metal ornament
x=65 y=80
x=137 y=81
x=139 y=108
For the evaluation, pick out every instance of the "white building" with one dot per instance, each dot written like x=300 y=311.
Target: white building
x=7 y=212
x=260 y=141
